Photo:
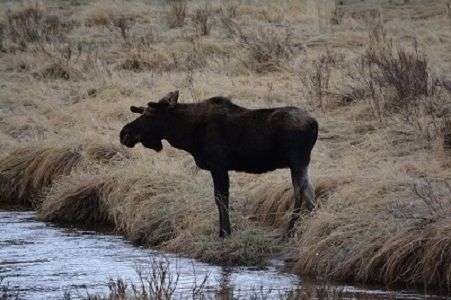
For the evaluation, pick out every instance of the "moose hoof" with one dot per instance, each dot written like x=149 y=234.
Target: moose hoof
x=224 y=234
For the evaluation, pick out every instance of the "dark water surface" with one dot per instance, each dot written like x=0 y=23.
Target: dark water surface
x=41 y=261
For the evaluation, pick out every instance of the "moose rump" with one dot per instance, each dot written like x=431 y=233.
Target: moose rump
x=222 y=137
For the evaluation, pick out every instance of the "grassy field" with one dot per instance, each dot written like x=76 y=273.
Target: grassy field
x=375 y=74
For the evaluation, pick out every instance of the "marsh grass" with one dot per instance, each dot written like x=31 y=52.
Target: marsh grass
x=203 y=19
x=269 y=48
x=398 y=84
x=404 y=249
x=25 y=173
x=384 y=123
x=141 y=57
x=176 y=14
x=31 y=22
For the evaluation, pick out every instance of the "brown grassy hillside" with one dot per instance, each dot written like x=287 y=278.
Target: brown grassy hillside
x=376 y=75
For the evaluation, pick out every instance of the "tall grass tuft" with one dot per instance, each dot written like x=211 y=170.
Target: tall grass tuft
x=396 y=242
x=24 y=173
x=176 y=14
x=316 y=79
x=32 y=22
x=202 y=19
x=397 y=83
x=79 y=202
x=269 y=47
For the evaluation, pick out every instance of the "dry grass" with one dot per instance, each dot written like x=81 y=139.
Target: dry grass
x=81 y=204
x=141 y=58
x=111 y=13
x=398 y=84
x=27 y=23
x=405 y=240
x=24 y=173
x=381 y=100
x=269 y=48
x=176 y=13
x=28 y=172
x=202 y=19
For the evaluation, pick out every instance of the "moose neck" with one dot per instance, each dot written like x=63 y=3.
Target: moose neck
x=182 y=127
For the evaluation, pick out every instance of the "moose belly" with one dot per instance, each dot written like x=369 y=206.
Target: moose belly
x=257 y=163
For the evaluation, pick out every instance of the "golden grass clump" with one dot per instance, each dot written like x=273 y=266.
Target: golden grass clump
x=141 y=58
x=378 y=239
x=111 y=12
x=271 y=203
x=202 y=19
x=269 y=48
x=32 y=21
x=105 y=152
x=176 y=13
x=58 y=70
x=76 y=201
x=25 y=172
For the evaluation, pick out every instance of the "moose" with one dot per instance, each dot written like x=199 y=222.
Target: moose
x=222 y=137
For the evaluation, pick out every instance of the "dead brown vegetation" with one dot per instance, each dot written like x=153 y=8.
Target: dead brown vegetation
x=112 y=13
x=364 y=250
x=79 y=205
x=25 y=173
x=316 y=80
x=176 y=13
x=397 y=83
x=380 y=93
x=140 y=57
x=269 y=48
x=32 y=23
x=202 y=19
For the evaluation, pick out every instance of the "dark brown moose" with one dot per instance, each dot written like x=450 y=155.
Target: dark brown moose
x=222 y=136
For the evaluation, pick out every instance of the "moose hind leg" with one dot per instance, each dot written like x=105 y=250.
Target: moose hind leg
x=300 y=190
x=309 y=195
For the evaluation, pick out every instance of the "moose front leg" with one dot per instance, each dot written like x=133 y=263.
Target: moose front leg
x=221 y=186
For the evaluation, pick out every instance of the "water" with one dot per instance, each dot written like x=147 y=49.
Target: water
x=41 y=261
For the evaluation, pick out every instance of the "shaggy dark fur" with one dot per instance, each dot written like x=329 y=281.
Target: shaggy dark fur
x=222 y=136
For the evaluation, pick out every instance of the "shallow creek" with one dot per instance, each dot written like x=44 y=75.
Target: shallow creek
x=41 y=261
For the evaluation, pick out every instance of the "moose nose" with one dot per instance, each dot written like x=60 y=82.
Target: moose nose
x=124 y=136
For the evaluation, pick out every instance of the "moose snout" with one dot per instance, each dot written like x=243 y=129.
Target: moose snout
x=127 y=138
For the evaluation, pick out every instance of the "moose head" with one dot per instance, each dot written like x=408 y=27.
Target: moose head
x=150 y=127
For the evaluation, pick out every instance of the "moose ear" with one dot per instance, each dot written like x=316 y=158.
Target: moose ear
x=170 y=99
x=137 y=110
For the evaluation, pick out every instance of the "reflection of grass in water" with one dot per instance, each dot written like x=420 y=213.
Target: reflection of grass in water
x=160 y=282
x=5 y=293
